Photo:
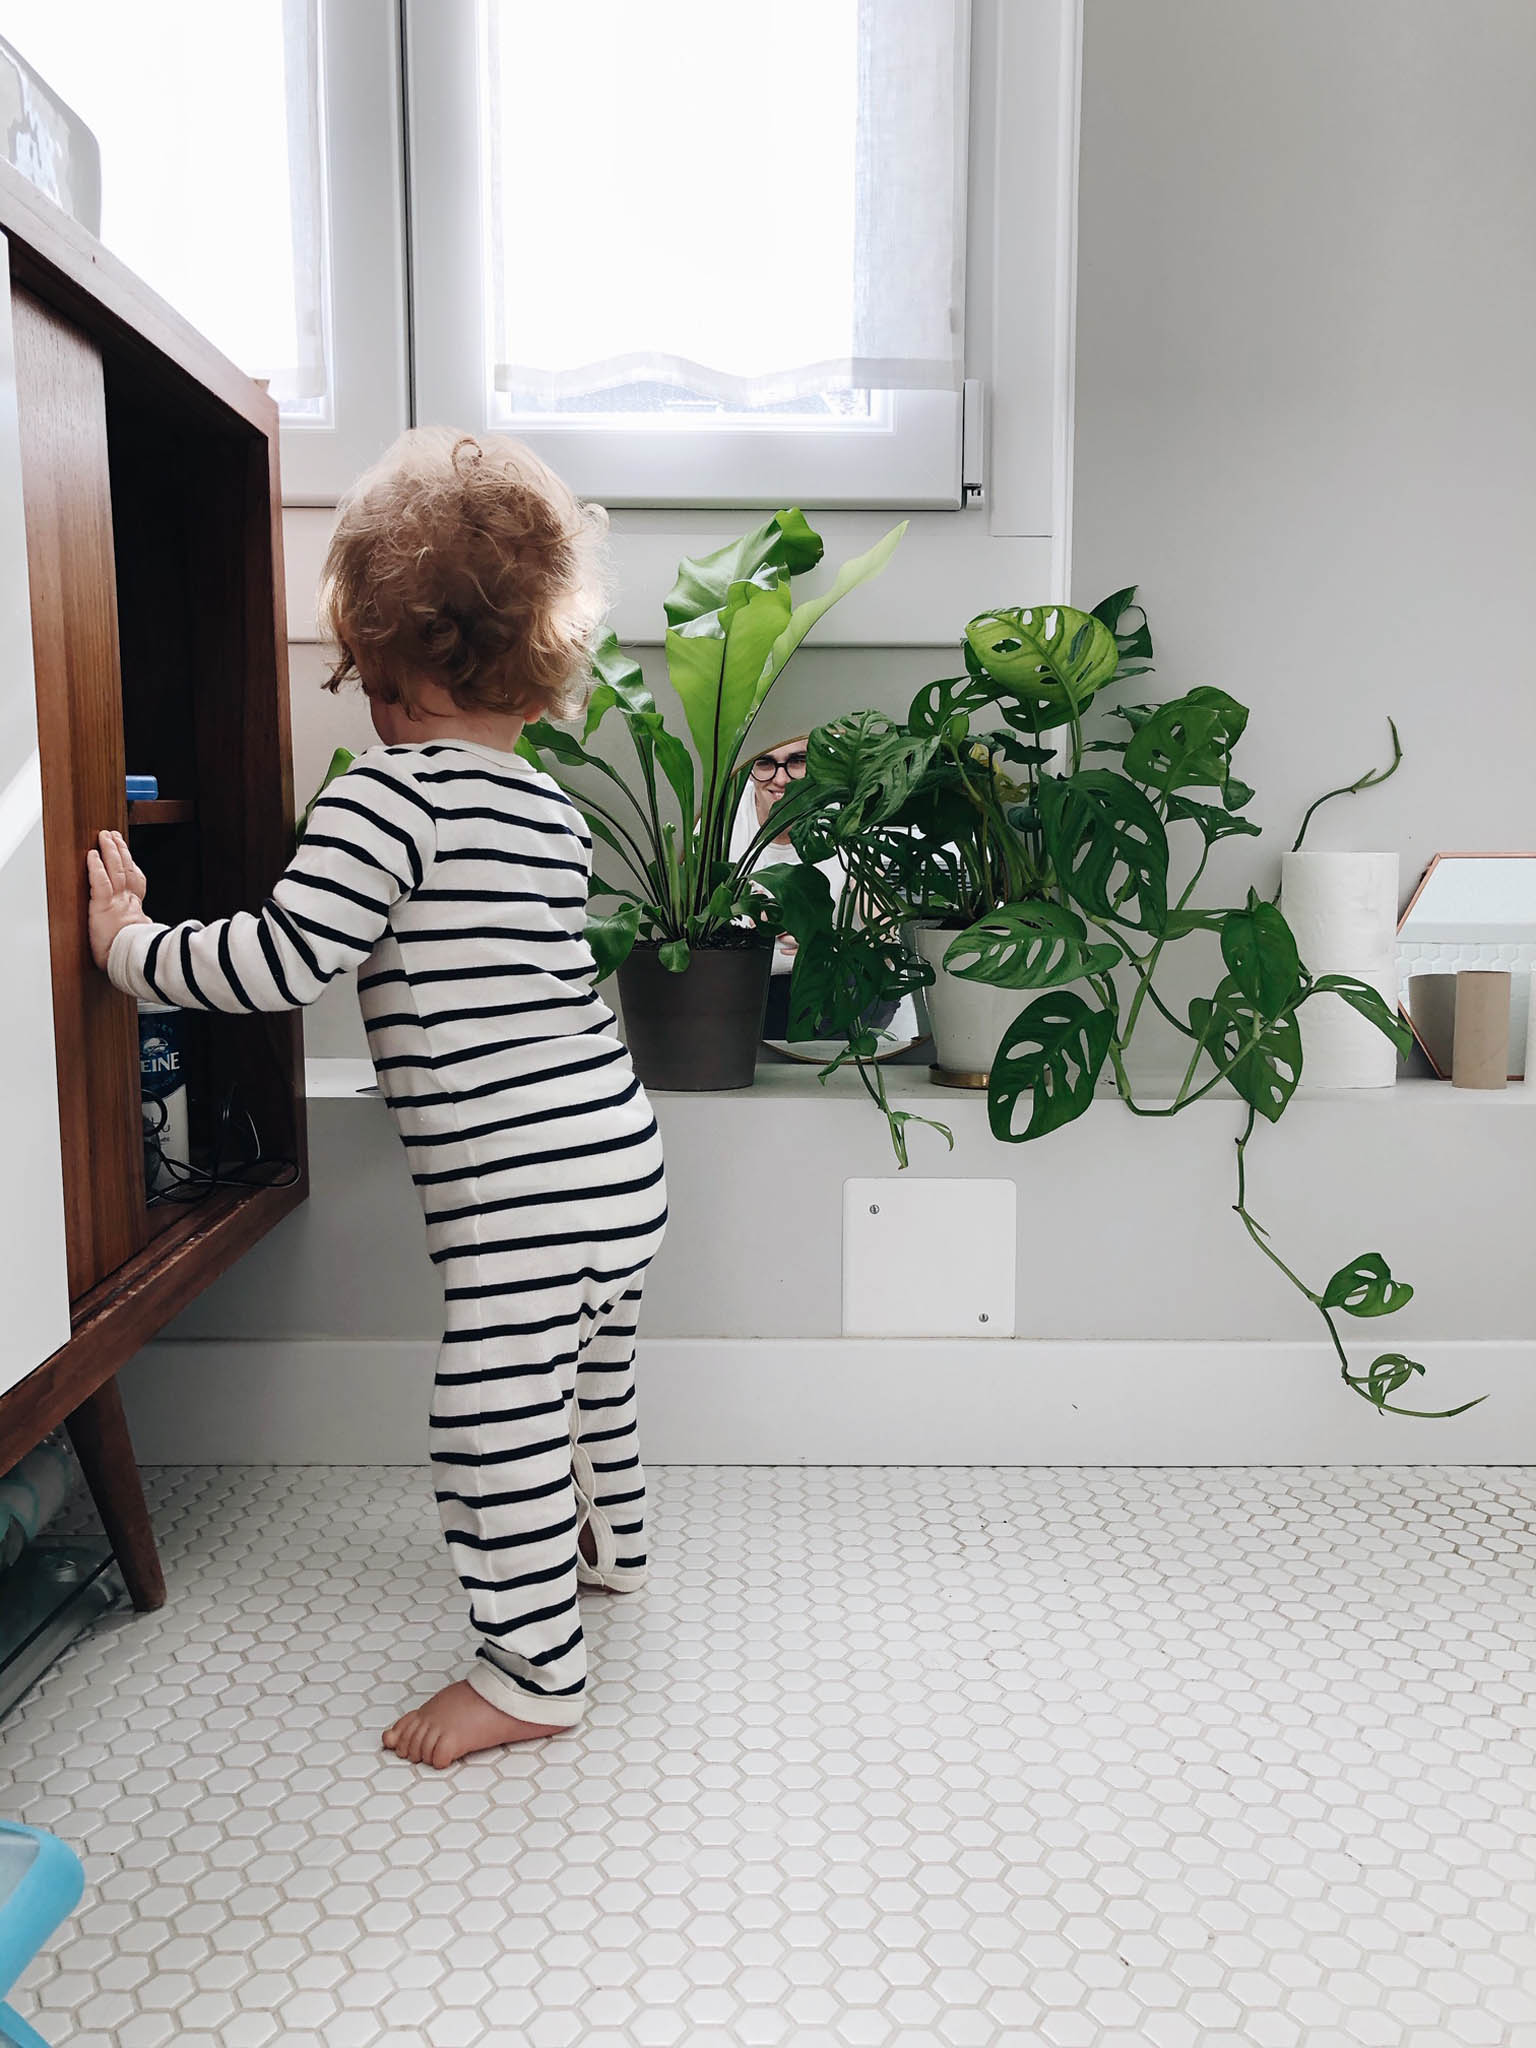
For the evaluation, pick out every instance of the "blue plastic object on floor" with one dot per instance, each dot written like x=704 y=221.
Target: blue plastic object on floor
x=41 y=1880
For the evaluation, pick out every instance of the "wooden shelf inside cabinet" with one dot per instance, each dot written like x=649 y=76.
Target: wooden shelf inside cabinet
x=161 y=811
x=149 y=485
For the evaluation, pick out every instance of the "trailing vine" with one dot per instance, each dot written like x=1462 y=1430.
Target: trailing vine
x=1049 y=857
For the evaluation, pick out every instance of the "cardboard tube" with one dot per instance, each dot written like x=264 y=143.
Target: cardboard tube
x=1481 y=1054
x=1432 y=1006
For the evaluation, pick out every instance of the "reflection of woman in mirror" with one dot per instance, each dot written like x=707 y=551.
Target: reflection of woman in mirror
x=772 y=772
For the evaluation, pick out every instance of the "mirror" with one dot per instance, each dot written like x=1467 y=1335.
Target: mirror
x=773 y=769
x=1470 y=910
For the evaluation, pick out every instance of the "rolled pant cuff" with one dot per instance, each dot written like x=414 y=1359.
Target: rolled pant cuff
x=510 y=1698
x=614 y=1580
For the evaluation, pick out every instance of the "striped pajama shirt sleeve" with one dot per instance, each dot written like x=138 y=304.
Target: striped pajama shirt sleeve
x=370 y=841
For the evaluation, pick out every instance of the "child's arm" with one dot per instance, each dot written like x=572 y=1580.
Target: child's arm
x=370 y=840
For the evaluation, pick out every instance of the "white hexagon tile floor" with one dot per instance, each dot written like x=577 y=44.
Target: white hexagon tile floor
x=962 y=1757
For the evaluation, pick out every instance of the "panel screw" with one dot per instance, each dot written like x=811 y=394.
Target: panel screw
x=983 y=1319
x=874 y=1208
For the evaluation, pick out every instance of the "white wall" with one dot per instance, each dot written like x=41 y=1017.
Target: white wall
x=1126 y=1230
x=1306 y=425
x=1306 y=401
x=1150 y=1330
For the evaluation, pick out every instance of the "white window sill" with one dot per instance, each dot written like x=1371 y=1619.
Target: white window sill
x=949 y=568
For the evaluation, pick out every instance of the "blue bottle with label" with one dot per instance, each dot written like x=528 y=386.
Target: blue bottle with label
x=163 y=1087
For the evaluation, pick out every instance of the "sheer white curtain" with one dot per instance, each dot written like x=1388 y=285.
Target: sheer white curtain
x=697 y=205
x=909 y=252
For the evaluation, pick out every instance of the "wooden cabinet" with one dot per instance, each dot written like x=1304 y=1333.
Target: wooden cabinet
x=66 y=492
x=149 y=495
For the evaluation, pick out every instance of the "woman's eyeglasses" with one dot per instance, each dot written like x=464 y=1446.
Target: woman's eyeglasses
x=767 y=766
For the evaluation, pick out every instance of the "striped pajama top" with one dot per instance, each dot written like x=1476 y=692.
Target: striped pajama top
x=454 y=877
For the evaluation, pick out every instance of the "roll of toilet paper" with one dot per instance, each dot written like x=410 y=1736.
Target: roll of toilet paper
x=1343 y=909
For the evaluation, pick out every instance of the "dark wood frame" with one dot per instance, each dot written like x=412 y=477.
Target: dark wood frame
x=95 y=346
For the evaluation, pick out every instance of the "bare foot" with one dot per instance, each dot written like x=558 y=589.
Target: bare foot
x=454 y=1723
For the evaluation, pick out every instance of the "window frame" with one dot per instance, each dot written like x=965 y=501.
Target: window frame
x=1010 y=545
x=368 y=371
x=908 y=457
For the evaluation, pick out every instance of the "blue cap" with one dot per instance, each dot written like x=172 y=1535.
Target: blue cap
x=143 y=789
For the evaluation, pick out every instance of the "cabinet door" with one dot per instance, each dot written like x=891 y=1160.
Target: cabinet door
x=33 y=1274
x=61 y=408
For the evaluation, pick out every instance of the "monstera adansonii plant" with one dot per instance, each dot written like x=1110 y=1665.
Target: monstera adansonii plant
x=1068 y=869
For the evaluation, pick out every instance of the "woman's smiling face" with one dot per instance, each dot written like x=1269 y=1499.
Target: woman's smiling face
x=773 y=770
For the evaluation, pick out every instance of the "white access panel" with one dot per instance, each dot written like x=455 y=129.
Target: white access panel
x=34 y=1280
x=929 y=1258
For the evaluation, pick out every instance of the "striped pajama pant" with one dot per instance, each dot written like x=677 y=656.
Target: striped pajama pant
x=533 y=1416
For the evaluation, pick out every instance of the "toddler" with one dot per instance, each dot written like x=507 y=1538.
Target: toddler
x=461 y=589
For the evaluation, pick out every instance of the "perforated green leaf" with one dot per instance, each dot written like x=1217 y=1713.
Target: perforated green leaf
x=1211 y=823
x=804 y=897
x=1049 y=652
x=1028 y=945
x=1133 y=638
x=1180 y=923
x=1387 y=1375
x=948 y=705
x=1264 y=1054
x=1370 y=1004
x=1108 y=847
x=1053 y=1053
x=1365 y=1287
x=1183 y=745
x=1260 y=951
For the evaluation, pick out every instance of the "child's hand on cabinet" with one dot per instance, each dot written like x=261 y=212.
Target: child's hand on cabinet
x=118 y=889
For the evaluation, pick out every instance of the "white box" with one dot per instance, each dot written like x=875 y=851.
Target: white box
x=929 y=1258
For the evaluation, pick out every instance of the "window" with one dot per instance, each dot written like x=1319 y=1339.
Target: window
x=704 y=257
x=251 y=173
x=693 y=256
x=192 y=171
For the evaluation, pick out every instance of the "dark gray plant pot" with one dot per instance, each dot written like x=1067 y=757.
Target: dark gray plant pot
x=699 y=1029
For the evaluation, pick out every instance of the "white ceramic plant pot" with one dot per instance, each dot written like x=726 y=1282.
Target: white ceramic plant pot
x=968 y=1017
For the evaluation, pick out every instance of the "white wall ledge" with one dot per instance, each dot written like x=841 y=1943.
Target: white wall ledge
x=1149 y=1328
x=908 y=1086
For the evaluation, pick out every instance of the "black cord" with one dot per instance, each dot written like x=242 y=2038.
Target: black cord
x=186 y=1184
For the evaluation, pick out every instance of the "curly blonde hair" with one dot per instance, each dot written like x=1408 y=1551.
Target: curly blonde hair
x=463 y=561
